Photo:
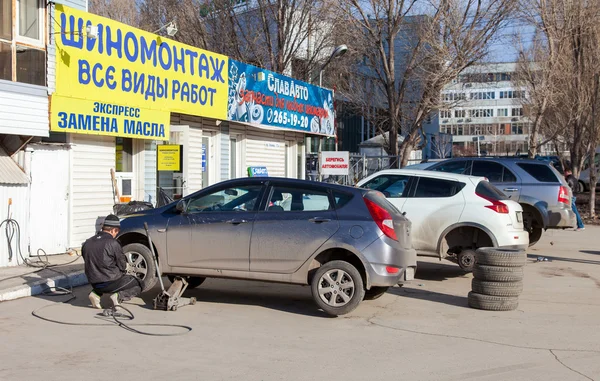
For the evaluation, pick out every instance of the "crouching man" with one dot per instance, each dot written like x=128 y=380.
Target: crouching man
x=106 y=266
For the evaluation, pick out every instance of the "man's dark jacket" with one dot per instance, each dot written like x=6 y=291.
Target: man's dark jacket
x=104 y=259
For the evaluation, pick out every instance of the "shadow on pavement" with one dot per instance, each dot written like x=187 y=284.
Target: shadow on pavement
x=431 y=296
x=438 y=271
x=590 y=252
x=285 y=298
x=560 y=259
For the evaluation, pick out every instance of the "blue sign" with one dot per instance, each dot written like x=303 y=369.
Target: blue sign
x=262 y=97
x=257 y=172
x=203 y=157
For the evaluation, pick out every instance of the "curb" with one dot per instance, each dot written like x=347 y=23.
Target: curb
x=76 y=279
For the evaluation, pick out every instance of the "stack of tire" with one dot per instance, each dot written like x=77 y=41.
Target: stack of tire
x=497 y=279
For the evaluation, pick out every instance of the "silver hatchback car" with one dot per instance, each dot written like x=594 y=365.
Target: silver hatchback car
x=348 y=244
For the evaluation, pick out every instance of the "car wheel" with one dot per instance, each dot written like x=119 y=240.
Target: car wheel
x=492 y=303
x=193 y=281
x=497 y=273
x=141 y=264
x=580 y=187
x=535 y=233
x=337 y=287
x=497 y=288
x=466 y=259
x=498 y=257
x=375 y=293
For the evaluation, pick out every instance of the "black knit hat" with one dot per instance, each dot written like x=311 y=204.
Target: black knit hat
x=112 y=221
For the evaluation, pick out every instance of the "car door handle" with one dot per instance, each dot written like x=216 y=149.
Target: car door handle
x=510 y=189
x=319 y=220
x=236 y=221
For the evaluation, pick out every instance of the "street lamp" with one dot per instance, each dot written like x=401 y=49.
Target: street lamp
x=339 y=51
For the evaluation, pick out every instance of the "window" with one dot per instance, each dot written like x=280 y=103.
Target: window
x=28 y=12
x=445 y=114
x=16 y=50
x=460 y=113
x=517 y=129
x=540 y=172
x=483 y=95
x=481 y=113
x=5 y=61
x=31 y=66
x=488 y=190
x=392 y=186
x=341 y=199
x=460 y=167
x=494 y=172
x=6 y=19
x=502 y=112
x=235 y=199
x=297 y=200
x=430 y=188
x=517 y=111
x=124 y=155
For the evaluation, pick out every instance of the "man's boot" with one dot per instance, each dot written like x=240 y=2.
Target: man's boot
x=115 y=299
x=95 y=300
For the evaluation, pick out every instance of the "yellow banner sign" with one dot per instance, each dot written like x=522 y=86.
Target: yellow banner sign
x=101 y=59
x=168 y=157
x=84 y=116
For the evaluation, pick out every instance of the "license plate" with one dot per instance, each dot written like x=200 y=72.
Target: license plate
x=519 y=216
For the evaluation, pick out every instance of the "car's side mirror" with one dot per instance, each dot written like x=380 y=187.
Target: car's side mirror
x=180 y=206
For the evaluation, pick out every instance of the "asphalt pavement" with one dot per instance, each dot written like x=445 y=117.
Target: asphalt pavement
x=259 y=331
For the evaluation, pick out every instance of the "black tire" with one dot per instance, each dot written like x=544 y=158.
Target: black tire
x=497 y=273
x=497 y=288
x=580 y=187
x=348 y=273
x=193 y=281
x=375 y=293
x=466 y=259
x=492 y=303
x=501 y=257
x=535 y=234
x=146 y=271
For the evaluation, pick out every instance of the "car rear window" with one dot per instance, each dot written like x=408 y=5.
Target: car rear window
x=341 y=199
x=460 y=167
x=488 y=190
x=540 y=172
x=432 y=188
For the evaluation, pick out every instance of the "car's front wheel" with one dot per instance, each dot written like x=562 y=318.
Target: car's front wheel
x=141 y=264
x=337 y=287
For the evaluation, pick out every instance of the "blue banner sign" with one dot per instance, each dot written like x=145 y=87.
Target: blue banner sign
x=257 y=172
x=262 y=97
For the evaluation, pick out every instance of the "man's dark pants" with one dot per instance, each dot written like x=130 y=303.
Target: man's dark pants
x=127 y=286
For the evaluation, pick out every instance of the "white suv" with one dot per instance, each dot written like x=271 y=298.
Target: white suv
x=452 y=215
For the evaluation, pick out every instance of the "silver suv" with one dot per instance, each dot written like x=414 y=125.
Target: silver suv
x=348 y=244
x=540 y=189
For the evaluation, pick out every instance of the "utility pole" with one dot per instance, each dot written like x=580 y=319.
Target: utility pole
x=594 y=143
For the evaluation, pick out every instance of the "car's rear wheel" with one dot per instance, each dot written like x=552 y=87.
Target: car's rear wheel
x=337 y=287
x=375 y=293
x=193 y=281
x=466 y=259
x=141 y=264
x=535 y=234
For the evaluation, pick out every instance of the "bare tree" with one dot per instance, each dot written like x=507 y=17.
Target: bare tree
x=410 y=59
x=441 y=145
x=124 y=11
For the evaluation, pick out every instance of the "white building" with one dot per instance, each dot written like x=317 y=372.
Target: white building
x=485 y=112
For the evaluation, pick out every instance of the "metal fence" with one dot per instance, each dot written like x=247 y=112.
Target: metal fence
x=361 y=166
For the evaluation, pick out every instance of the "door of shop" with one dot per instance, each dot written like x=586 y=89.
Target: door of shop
x=174 y=183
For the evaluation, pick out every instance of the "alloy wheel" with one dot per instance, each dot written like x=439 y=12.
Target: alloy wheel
x=336 y=288
x=137 y=264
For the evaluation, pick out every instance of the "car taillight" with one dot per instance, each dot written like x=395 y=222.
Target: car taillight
x=382 y=218
x=497 y=206
x=563 y=195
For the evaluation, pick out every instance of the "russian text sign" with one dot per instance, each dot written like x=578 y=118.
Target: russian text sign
x=262 y=97
x=136 y=68
x=335 y=163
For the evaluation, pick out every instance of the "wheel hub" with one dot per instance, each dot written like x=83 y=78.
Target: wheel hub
x=336 y=288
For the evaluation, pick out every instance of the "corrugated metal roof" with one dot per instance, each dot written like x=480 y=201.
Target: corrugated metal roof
x=10 y=172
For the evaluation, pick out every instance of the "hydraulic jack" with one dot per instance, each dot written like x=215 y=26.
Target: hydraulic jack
x=171 y=299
